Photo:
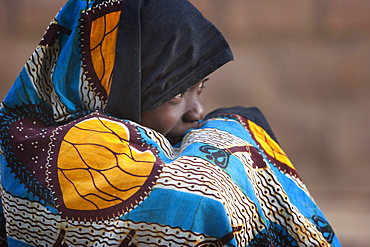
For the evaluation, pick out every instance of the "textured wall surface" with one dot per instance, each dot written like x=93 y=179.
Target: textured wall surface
x=305 y=64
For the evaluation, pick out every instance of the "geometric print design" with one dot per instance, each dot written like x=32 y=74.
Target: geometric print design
x=271 y=197
x=40 y=227
x=270 y=148
x=99 y=28
x=41 y=70
x=197 y=176
x=91 y=186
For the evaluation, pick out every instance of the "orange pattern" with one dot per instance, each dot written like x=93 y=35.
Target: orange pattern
x=103 y=46
x=269 y=145
x=95 y=157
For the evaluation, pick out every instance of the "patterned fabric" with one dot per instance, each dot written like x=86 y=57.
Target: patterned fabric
x=75 y=174
x=102 y=181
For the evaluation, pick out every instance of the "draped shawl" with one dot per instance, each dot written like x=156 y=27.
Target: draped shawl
x=77 y=171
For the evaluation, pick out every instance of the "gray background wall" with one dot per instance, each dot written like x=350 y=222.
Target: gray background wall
x=304 y=63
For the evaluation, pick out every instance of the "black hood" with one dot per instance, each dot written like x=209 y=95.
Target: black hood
x=163 y=48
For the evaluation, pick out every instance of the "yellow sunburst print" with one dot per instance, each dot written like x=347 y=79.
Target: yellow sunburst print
x=97 y=167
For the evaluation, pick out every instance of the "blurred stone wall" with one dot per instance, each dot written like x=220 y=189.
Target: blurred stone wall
x=304 y=63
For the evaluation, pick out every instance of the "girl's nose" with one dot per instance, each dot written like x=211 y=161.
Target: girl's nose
x=195 y=112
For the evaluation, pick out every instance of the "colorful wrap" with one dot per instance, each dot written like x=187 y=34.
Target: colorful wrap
x=74 y=173
x=102 y=181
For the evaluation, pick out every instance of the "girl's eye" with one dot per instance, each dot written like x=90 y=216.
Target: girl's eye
x=178 y=98
x=180 y=95
x=201 y=85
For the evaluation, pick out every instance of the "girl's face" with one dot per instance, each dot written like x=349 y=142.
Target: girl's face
x=177 y=115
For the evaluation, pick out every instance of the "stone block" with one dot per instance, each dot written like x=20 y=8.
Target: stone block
x=344 y=19
x=255 y=19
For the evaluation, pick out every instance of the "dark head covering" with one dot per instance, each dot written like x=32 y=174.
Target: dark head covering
x=124 y=57
x=164 y=47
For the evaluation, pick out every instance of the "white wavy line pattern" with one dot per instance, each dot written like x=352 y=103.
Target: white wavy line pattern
x=40 y=68
x=32 y=223
x=197 y=176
